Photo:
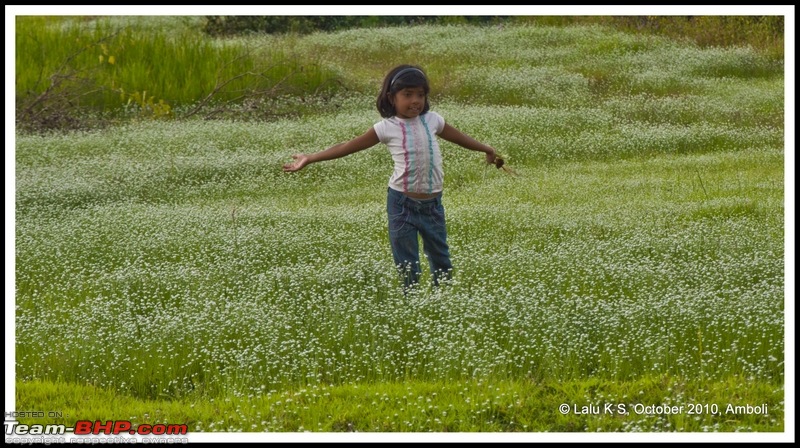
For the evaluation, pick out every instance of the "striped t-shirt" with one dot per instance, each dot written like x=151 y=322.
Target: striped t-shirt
x=415 y=151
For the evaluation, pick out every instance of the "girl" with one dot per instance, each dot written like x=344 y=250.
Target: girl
x=414 y=203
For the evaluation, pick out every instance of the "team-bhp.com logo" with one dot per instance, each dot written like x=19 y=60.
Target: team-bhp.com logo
x=87 y=427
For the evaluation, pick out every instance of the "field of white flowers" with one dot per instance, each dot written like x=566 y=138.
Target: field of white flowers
x=643 y=235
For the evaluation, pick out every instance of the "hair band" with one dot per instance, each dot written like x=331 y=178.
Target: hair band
x=403 y=72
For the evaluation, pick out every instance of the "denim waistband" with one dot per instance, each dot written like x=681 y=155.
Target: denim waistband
x=399 y=197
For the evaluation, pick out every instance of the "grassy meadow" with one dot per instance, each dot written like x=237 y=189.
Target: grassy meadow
x=168 y=271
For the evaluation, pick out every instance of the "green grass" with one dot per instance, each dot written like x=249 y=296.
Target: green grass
x=140 y=67
x=136 y=66
x=637 y=257
x=460 y=406
x=766 y=33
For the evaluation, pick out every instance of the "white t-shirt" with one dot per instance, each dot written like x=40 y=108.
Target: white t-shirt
x=415 y=151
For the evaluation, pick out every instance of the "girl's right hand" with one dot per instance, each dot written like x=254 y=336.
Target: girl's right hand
x=300 y=160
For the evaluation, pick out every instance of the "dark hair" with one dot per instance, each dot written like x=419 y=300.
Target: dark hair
x=397 y=79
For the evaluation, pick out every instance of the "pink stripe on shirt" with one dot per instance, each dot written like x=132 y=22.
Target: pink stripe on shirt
x=405 y=158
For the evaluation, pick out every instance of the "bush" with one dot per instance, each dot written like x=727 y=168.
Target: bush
x=234 y=25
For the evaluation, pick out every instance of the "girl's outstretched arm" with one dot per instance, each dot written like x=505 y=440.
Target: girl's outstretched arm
x=364 y=141
x=453 y=135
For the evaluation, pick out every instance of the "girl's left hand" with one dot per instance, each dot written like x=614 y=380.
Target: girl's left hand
x=490 y=156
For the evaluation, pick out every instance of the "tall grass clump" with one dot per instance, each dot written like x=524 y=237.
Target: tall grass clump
x=108 y=66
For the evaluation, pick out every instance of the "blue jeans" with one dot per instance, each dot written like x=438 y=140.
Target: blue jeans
x=408 y=218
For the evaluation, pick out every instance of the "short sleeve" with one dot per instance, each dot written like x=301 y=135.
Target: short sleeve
x=380 y=129
x=436 y=121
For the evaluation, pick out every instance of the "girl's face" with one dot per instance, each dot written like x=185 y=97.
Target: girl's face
x=409 y=102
